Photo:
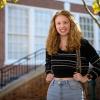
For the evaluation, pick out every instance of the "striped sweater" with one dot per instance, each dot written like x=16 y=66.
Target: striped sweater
x=64 y=64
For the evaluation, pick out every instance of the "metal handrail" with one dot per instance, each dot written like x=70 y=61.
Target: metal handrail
x=11 y=72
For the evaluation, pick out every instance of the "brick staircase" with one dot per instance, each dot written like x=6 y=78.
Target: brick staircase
x=35 y=89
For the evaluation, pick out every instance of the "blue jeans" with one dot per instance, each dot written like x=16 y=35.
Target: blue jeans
x=65 y=90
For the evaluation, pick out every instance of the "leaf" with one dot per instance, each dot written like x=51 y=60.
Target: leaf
x=96 y=6
x=3 y=3
x=15 y=1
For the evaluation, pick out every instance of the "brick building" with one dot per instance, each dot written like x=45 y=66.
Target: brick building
x=24 y=26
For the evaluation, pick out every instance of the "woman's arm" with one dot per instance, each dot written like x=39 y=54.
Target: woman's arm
x=94 y=59
x=48 y=69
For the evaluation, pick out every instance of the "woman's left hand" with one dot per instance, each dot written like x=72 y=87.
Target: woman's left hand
x=78 y=77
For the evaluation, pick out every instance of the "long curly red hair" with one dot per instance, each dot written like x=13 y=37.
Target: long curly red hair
x=74 y=37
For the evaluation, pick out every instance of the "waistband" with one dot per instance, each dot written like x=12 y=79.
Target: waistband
x=66 y=78
x=70 y=82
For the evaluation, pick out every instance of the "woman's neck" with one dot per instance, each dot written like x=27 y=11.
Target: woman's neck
x=63 y=43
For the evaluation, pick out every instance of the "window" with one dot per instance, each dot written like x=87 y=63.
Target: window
x=42 y=23
x=17 y=34
x=99 y=33
x=17 y=46
x=42 y=18
x=86 y=24
x=26 y=30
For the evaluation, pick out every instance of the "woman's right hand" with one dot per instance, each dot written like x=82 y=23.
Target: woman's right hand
x=49 y=77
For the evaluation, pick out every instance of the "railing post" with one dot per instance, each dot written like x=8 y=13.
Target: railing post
x=1 y=78
x=27 y=64
x=35 y=60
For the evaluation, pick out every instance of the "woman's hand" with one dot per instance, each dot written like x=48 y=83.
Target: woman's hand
x=49 y=77
x=78 y=77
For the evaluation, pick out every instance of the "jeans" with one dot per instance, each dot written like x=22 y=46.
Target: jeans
x=65 y=90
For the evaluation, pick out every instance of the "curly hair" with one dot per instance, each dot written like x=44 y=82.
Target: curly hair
x=53 y=40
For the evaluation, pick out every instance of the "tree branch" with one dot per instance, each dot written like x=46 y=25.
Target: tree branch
x=90 y=13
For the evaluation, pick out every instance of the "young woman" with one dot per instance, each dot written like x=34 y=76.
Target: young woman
x=63 y=42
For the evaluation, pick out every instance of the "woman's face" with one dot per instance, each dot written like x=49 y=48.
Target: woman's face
x=62 y=24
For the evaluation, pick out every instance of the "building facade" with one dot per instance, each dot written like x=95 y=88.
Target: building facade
x=24 y=26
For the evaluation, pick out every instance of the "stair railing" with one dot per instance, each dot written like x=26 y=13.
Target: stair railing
x=9 y=73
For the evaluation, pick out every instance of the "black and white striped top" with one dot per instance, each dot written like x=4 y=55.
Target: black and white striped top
x=64 y=64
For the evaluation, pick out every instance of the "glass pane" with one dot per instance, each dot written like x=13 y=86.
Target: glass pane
x=86 y=24
x=18 y=29
x=18 y=21
x=17 y=46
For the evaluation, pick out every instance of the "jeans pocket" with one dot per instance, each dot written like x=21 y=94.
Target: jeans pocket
x=75 y=85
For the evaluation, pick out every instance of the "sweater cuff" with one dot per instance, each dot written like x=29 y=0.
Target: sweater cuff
x=92 y=75
x=48 y=71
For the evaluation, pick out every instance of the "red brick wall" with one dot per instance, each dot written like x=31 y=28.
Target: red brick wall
x=79 y=8
x=2 y=36
x=53 y=4
x=33 y=90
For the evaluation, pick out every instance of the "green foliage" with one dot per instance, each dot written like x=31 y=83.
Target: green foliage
x=4 y=2
x=96 y=6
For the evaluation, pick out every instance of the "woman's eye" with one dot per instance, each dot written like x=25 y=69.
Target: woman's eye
x=58 y=23
x=66 y=22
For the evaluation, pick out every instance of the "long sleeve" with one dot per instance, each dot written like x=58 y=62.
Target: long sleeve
x=48 y=63
x=94 y=59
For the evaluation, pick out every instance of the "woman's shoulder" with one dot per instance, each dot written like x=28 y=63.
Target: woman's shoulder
x=84 y=42
x=87 y=46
